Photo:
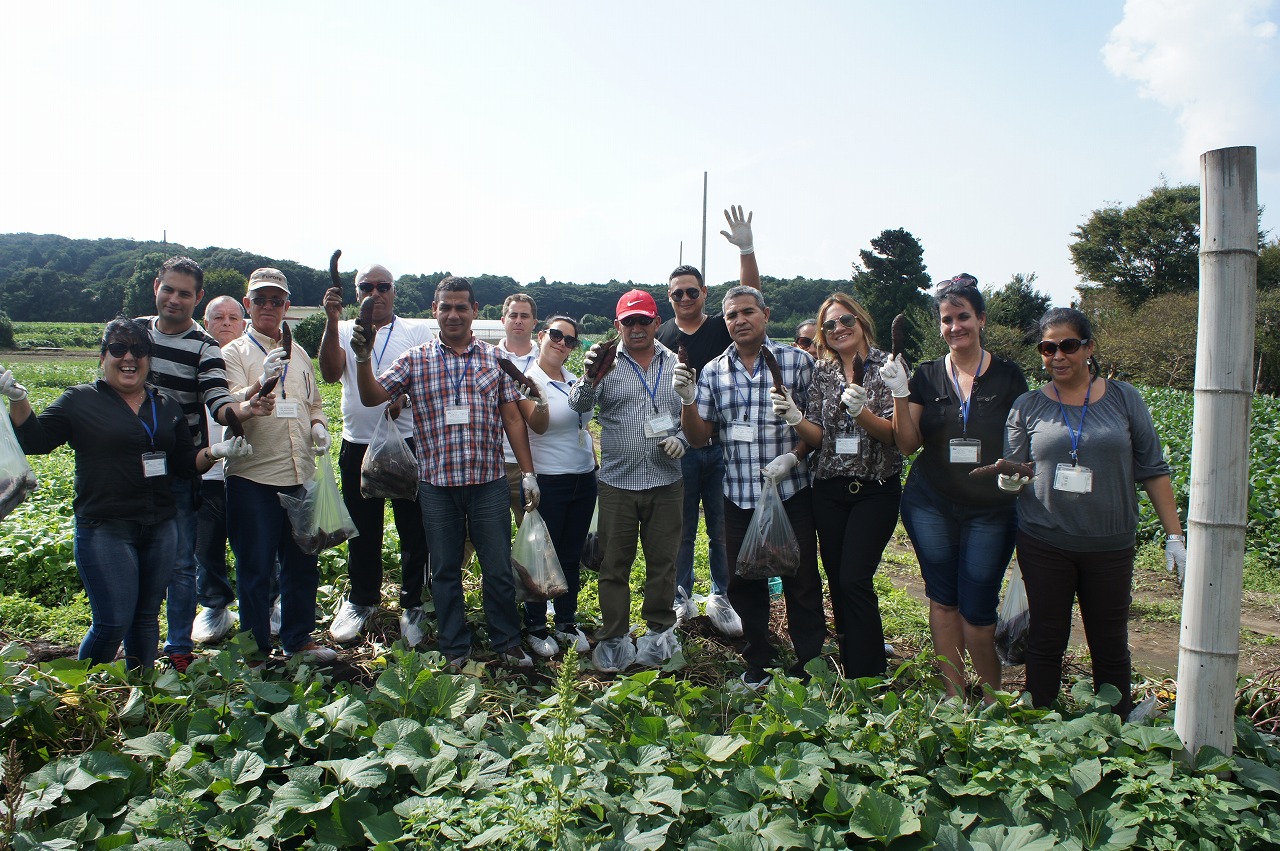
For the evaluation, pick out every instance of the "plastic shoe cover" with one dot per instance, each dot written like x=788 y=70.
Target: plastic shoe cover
x=754 y=679
x=613 y=654
x=576 y=639
x=516 y=656
x=411 y=626
x=276 y=618
x=723 y=617
x=888 y=651
x=349 y=620
x=686 y=609
x=1144 y=711
x=212 y=625
x=653 y=649
x=316 y=653
x=544 y=647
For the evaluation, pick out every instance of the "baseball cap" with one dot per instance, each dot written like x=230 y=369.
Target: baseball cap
x=636 y=303
x=268 y=277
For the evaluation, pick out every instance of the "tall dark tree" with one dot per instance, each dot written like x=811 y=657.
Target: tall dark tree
x=1018 y=304
x=891 y=278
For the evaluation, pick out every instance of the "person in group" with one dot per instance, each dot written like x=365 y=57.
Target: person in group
x=857 y=474
x=392 y=336
x=702 y=468
x=1089 y=439
x=641 y=489
x=130 y=440
x=806 y=333
x=286 y=445
x=462 y=405
x=962 y=529
x=733 y=394
x=519 y=320
x=564 y=456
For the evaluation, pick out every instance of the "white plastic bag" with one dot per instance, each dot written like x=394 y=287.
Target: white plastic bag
x=389 y=470
x=769 y=547
x=723 y=616
x=592 y=549
x=319 y=517
x=1013 y=622
x=653 y=649
x=17 y=480
x=534 y=562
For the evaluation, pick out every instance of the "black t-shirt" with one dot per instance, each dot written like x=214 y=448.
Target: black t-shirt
x=705 y=344
x=994 y=392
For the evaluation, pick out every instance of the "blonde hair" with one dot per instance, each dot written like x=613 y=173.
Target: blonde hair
x=847 y=302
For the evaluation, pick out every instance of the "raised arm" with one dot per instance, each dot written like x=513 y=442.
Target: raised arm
x=332 y=358
x=739 y=234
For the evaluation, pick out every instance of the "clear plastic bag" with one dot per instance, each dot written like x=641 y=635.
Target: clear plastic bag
x=614 y=654
x=654 y=649
x=17 y=480
x=723 y=616
x=389 y=470
x=1013 y=621
x=534 y=562
x=592 y=549
x=769 y=547
x=319 y=518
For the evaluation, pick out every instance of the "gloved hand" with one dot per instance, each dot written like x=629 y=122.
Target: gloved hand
x=236 y=447
x=896 y=377
x=684 y=382
x=540 y=400
x=739 y=232
x=320 y=439
x=1175 y=556
x=785 y=406
x=854 y=398
x=10 y=387
x=361 y=345
x=779 y=468
x=532 y=496
x=673 y=446
x=272 y=366
x=1012 y=484
x=589 y=359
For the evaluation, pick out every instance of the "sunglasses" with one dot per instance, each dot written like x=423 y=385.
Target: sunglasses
x=380 y=286
x=1069 y=346
x=804 y=342
x=558 y=336
x=691 y=293
x=119 y=350
x=263 y=301
x=636 y=319
x=848 y=321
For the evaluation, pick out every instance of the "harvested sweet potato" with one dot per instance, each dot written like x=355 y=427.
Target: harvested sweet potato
x=607 y=353
x=268 y=386
x=286 y=340
x=14 y=490
x=519 y=377
x=234 y=426
x=1002 y=467
x=898 y=334
x=774 y=370
x=334 y=278
x=682 y=354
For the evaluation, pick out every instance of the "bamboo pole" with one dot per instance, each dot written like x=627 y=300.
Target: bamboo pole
x=1209 y=648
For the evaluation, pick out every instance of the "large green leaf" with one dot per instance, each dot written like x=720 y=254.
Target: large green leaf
x=878 y=816
x=363 y=772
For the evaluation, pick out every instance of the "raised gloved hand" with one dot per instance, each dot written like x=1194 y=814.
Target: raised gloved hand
x=10 y=387
x=1012 y=484
x=589 y=359
x=785 y=406
x=236 y=447
x=1175 y=556
x=532 y=495
x=320 y=439
x=779 y=468
x=685 y=382
x=673 y=446
x=361 y=345
x=273 y=365
x=896 y=377
x=854 y=398
x=739 y=232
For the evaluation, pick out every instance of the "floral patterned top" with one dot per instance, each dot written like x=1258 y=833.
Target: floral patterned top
x=873 y=460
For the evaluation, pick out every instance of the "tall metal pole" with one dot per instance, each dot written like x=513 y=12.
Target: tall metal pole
x=1209 y=648
x=704 y=227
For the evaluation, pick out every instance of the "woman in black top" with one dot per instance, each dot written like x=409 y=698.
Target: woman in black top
x=128 y=440
x=962 y=530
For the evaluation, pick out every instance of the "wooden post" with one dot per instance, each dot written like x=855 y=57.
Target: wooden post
x=1209 y=649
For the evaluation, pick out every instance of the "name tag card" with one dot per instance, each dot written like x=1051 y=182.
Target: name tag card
x=658 y=425
x=966 y=450
x=848 y=444
x=457 y=415
x=287 y=410
x=1072 y=479
x=742 y=433
x=154 y=464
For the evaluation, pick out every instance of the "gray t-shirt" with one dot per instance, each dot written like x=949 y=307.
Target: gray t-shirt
x=1119 y=445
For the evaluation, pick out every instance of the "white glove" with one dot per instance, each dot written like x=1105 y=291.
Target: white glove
x=739 y=232
x=896 y=377
x=673 y=446
x=539 y=401
x=785 y=406
x=854 y=398
x=1175 y=556
x=236 y=447
x=11 y=388
x=362 y=348
x=320 y=439
x=779 y=468
x=532 y=496
x=1012 y=484
x=589 y=359
x=684 y=382
x=272 y=366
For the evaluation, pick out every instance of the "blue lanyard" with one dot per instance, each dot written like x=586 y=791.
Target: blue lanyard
x=155 y=423
x=653 y=394
x=556 y=385
x=385 y=342
x=1075 y=434
x=457 y=385
x=964 y=403
x=751 y=381
x=284 y=376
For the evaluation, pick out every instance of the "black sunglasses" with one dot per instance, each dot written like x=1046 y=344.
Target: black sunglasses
x=637 y=319
x=381 y=286
x=848 y=321
x=558 y=336
x=263 y=301
x=138 y=350
x=691 y=293
x=804 y=342
x=1069 y=346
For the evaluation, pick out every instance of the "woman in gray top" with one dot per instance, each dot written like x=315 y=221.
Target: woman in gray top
x=1089 y=440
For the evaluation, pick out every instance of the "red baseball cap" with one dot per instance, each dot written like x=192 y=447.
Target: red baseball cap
x=636 y=303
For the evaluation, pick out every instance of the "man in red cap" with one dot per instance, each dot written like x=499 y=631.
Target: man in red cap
x=641 y=486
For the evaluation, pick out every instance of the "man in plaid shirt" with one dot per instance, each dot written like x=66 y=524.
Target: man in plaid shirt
x=463 y=403
x=732 y=395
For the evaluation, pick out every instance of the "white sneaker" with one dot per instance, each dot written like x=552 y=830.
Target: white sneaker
x=411 y=626
x=576 y=639
x=544 y=647
x=212 y=625
x=275 y=618
x=349 y=620
x=517 y=657
x=316 y=653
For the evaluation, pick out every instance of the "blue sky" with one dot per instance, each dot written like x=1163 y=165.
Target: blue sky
x=568 y=140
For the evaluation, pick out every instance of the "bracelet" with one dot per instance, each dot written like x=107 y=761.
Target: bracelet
x=1181 y=538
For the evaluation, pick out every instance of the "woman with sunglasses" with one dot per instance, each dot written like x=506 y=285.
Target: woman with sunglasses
x=857 y=470
x=962 y=529
x=129 y=439
x=564 y=456
x=1089 y=440
x=805 y=333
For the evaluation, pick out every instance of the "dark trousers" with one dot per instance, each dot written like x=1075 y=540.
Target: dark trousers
x=1103 y=582
x=806 y=621
x=568 y=500
x=364 y=552
x=855 y=521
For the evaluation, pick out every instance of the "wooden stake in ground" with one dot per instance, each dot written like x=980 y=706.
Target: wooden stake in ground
x=1209 y=649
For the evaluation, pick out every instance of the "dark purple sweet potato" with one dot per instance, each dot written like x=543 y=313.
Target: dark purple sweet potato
x=775 y=371
x=608 y=353
x=898 y=334
x=1002 y=467
x=234 y=426
x=286 y=340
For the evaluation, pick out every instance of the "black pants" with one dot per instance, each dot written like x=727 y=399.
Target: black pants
x=855 y=521
x=803 y=592
x=1103 y=582
x=364 y=552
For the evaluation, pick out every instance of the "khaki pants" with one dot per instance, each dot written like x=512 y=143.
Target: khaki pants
x=513 y=487
x=655 y=517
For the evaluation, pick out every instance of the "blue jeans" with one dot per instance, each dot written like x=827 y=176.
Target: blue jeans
x=566 y=507
x=259 y=529
x=124 y=567
x=962 y=549
x=703 y=473
x=213 y=587
x=181 y=608
x=447 y=514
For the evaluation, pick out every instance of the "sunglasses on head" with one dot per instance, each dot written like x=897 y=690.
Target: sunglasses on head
x=119 y=350
x=1069 y=346
x=558 y=336
x=691 y=293
x=848 y=321
x=804 y=342
x=370 y=286
x=637 y=319
x=263 y=301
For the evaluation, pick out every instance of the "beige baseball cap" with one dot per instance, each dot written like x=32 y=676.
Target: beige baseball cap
x=268 y=277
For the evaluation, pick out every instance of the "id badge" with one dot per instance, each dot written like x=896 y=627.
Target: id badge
x=582 y=439
x=742 y=433
x=848 y=444
x=658 y=425
x=287 y=410
x=966 y=450
x=457 y=415
x=1071 y=479
x=154 y=464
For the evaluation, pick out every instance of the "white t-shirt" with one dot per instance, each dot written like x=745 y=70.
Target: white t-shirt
x=392 y=340
x=524 y=363
x=566 y=447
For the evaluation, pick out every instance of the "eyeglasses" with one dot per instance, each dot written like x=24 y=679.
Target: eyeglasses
x=370 y=286
x=263 y=301
x=804 y=342
x=558 y=336
x=119 y=350
x=848 y=321
x=637 y=319
x=1069 y=346
x=691 y=293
